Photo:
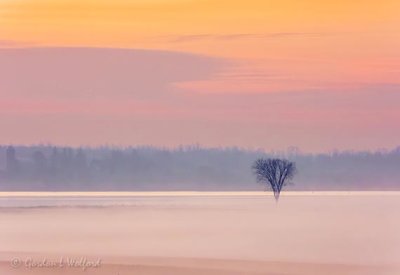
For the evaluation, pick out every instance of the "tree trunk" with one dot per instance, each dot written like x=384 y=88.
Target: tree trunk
x=276 y=195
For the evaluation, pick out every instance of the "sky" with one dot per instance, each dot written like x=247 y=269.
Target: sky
x=318 y=75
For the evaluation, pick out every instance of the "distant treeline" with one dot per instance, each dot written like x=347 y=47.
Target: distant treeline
x=32 y=168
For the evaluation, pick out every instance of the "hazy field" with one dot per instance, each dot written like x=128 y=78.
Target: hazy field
x=202 y=233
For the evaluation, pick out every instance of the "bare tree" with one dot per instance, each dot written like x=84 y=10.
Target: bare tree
x=276 y=172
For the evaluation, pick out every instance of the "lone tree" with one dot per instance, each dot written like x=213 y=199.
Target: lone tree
x=275 y=172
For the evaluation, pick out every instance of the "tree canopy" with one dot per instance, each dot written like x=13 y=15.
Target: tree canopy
x=276 y=172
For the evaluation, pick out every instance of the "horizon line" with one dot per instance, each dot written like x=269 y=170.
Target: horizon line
x=18 y=194
x=198 y=146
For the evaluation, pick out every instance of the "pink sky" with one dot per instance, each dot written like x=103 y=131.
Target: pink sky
x=125 y=97
x=259 y=74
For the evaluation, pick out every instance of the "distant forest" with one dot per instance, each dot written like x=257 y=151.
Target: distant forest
x=49 y=168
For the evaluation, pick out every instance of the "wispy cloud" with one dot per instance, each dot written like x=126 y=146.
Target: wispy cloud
x=98 y=72
x=273 y=35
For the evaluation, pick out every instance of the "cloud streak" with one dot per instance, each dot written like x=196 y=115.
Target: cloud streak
x=98 y=72
x=237 y=36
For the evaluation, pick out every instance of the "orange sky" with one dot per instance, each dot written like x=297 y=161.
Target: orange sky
x=346 y=50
